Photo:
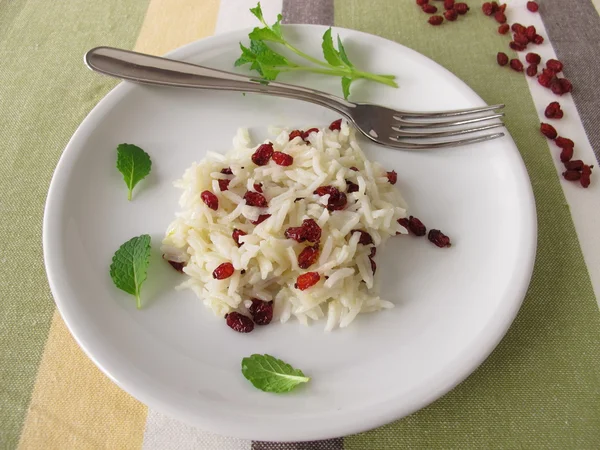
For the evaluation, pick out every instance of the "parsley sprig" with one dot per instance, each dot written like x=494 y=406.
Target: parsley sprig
x=270 y=63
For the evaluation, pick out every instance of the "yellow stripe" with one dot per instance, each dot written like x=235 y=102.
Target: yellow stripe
x=172 y=23
x=73 y=404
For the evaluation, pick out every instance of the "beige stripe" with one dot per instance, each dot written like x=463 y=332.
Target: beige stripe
x=73 y=404
x=597 y=5
x=172 y=23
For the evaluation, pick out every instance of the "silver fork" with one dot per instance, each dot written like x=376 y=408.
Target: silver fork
x=383 y=125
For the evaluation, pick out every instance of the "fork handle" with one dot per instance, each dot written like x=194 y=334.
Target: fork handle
x=147 y=69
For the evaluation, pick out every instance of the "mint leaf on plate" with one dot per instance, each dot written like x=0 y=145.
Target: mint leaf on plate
x=331 y=55
x=134 y=163
x=130 y=265
x=270 y=374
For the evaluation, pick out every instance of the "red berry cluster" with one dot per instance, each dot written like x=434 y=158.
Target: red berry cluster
x=576 y=170
x=416 y=227
x=261 y=312
x=452 y=10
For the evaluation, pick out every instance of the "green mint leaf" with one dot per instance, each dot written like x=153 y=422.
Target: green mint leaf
x=134 y=163
x=270 y=374
x=276 y=27
x=331 y=55
x=342 y=52
x=265 y=34
x=346 y=86
x=257 y=11
x=130 y=265
x=267 y=56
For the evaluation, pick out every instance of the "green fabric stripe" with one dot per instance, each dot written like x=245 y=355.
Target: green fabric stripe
x=45 y=92
x=541 y=386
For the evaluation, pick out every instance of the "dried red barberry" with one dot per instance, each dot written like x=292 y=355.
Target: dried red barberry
x=435 y=20
x=283 y=159
x=439 y=238
x=238 y=322
x=451 y=15
x=516 y=47
x=516 y=65
x=178 y=266
x=355 y=169
x=532 y=6
x=261 y=311
x=308 y=256
x=365 y=238
x=555 y=65
x=352 y=187
x=576 y=164
x=295 y=134
x=565 y=85
x=566 y=154
x=502 y=58
x=488 y=9
x=224 y=184
x=392 y=177
x=255 y=199
x=422 y=2
x=532 y=70
x=308 y=132
x=448 y=4
x=548 y=130
x=545 y=79
x=261 y=219
x=521 y=39
x=404 y=222
x=210 y=200
x=500 y=17
x=307 y=280
x=461 y=8
x=236 y=236
x=501 y=7
x=337 y=200
x=531 y=33
x=258 y=187
x=572 y=175
x=227 y=171
x=373 y=252
x=533 y=58
x=503 y=29
x=553 y=111
x=224 y=270
x=429 y=9
x=537 y=39
x=373 y=265
x=564 y=142
x=586 y=174
x=263 y=154
x=311 y=230
x=518 y=28
x=416 y=226
x=336 y=125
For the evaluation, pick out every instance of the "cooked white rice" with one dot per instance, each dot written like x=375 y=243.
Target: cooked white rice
x=202 y=238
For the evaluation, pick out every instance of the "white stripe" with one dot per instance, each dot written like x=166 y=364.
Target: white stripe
x=164 y=433
x=583 y=203
x=235 y=14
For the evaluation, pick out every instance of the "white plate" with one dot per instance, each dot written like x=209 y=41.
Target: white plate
x=452 y=305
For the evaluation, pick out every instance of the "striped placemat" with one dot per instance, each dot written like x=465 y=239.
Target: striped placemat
x=541 y=386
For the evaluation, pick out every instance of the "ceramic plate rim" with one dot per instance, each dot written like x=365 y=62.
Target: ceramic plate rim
x=51 y=225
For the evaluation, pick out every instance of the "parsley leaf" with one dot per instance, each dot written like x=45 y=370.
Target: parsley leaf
x=130 y=265
x=270 y=374
x=269 y=63
x=134 y=163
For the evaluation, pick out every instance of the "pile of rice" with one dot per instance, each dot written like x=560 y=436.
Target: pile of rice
x=266 y=265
